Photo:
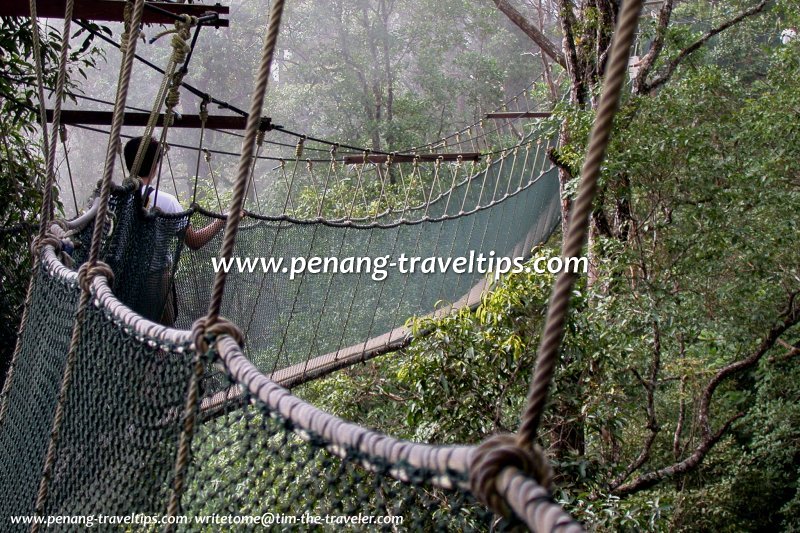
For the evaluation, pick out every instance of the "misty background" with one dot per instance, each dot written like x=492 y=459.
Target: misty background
x=379 y=74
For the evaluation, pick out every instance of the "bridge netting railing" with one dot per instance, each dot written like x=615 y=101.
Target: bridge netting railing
x=267 y=456
x=301 y=321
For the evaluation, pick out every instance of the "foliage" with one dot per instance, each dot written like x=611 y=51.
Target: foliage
x=460 y=383
x=694 y=245
x=21 y=166
x=689 y=278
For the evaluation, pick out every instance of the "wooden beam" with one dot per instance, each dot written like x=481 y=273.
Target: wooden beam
x=217 y=122
x=409 y=158
x=517 y=114
x=112 y=10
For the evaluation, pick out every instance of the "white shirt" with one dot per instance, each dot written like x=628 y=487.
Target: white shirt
x=163 y=200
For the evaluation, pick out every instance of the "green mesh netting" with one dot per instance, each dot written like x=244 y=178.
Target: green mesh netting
x=293 y=324
x=124 y=409
x=122 y=420
x=30 y=403
x=143 y=249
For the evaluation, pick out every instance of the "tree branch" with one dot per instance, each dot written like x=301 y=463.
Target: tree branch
x=792 y=351
x=573 y=66
x=676 y=437
x=609 y=13
x=791 y=317
x=650 y=479
x=670 y=69
x=649 y=59
x=531 y=31
x=555 y=158
x=649 y=386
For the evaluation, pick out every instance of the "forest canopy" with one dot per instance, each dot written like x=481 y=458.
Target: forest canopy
x=676 y=403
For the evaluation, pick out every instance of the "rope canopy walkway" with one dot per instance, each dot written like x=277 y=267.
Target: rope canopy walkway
x=106 y=411
x=299 y=324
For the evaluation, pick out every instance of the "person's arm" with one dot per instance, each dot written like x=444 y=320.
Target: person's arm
x=195 y=239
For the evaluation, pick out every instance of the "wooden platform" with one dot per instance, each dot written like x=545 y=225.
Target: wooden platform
x=112 y=10
x=103 y=118
x=517 y=114
x=410 y=158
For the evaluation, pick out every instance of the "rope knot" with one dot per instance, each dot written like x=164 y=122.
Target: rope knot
x=131 y=183
x=495 y=455
x=205 y=332
x=87 y=272
x=61 y=224
x=180 y=47
x=204 y=111
x=47 y=239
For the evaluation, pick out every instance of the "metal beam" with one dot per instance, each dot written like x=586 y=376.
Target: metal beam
x=217 y=122
x=410 y=158
x=112 y=10
x=517 y=114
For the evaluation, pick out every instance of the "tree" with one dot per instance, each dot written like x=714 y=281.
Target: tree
x=21 y=166
x=680 y=358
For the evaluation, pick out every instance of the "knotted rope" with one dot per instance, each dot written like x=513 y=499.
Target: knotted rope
x=500 y=453
x=57 y=237
x=49 y=149
x=169 y=91
x=181 y=49
x=93 y=267
x=497 y=453
x=87 y=273
x=206 y=329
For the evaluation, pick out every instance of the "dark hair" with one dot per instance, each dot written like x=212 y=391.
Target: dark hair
x=150 y=154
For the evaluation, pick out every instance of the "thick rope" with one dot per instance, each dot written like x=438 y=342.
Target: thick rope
x=253 y=122
x=579 y=221
x=206 y=327
x=93 y=267
x=37 y=63
x=59 y=97
x=169 y=91
x=49 y=148
x=204 y=335
x=494 y=459
x=203 y=120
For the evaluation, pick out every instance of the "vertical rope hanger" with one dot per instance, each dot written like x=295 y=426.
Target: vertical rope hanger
x=49 y=148
x=579 y=219
x=169 y=90
x=200 y=151
x=37 y=56
x=182 y=52
x=208 y=327
x=63 y=136
x=93 y=267
x=48 y=202
x=502 y=455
